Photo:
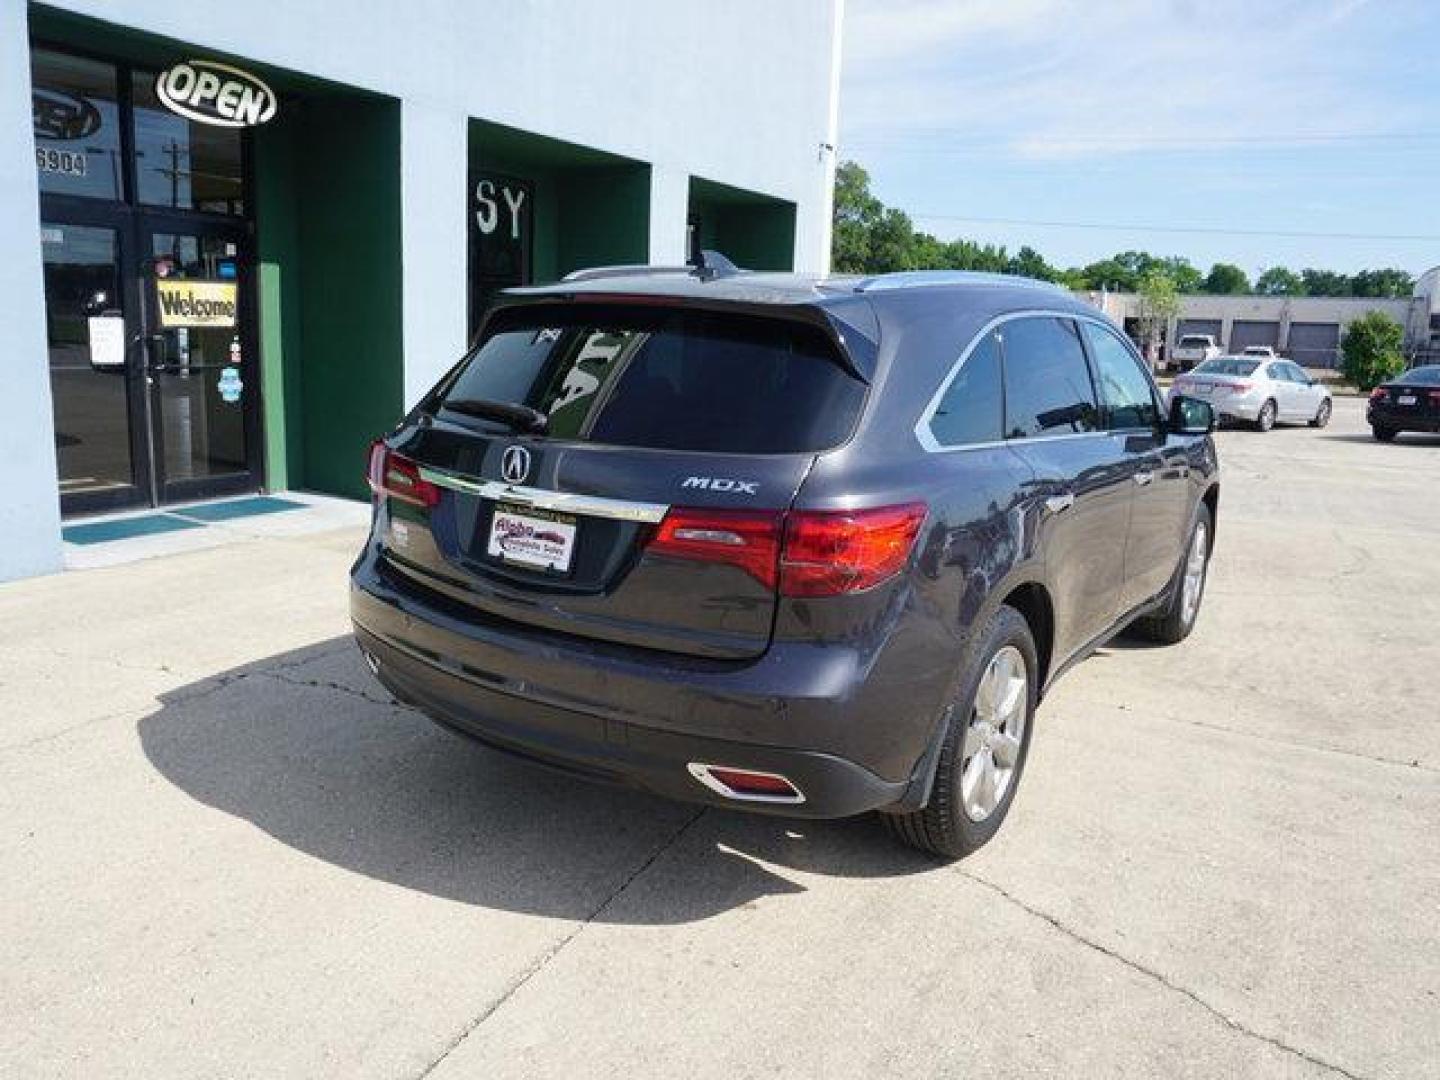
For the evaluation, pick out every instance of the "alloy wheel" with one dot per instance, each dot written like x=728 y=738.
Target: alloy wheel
x=1194 y=580
x=995 y=734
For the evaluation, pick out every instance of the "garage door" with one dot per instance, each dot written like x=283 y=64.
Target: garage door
x=1245 y=332
x=1198 y=326
x=1315 y=344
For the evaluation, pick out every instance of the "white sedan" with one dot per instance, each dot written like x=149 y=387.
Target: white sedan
x=1257 y=391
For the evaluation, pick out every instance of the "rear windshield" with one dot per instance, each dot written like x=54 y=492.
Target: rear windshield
x=1425 y=376
x=1226 y=365
x=1189 y=342
x=668 y=379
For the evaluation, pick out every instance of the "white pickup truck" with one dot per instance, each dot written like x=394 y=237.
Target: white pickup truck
x=1193 y=349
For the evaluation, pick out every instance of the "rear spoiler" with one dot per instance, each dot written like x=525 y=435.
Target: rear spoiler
x=851 y=327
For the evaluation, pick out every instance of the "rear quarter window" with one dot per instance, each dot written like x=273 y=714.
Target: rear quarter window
x=671 y=379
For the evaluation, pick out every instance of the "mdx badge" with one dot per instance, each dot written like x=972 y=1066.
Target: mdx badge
x=721 y=483
x=515 y=464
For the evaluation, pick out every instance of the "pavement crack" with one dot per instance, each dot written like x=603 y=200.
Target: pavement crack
x=542 y=961
x=1157 y=976
x=327 y=684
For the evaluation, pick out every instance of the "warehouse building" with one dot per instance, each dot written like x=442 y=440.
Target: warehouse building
x=1307 y=329
x=242 y=239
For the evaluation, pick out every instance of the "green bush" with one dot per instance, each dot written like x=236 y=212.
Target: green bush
x=1371 y=350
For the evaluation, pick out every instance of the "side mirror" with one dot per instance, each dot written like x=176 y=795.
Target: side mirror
x=1190 y=416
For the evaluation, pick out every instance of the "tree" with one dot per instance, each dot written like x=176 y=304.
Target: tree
x=1159 y=303
x=1325 y=283
x=1226 y=279
x=855 y=216
x=1370 y=350
x=1388 y=283
x=1182 y=272
x=1279 y=281
x=1030 y=263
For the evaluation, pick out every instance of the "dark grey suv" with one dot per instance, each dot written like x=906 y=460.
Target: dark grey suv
x=797 y=545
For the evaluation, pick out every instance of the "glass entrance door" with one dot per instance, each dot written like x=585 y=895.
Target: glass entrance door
x=201 y=374
x=98 y=397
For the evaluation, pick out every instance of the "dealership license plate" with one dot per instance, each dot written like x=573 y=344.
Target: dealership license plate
x=534 y=538
x=1405 y=399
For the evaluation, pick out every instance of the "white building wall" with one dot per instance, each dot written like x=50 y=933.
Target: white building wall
x=742 y=92
x=434 y=167
x=30 y=508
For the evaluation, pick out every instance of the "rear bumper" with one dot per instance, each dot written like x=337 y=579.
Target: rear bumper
x=612 y=719
x=1397 y=419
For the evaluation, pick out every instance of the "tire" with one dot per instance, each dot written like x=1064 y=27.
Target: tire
x=949 y=826
x=1173 y=625
x=1383 y=434
x=1266 y=420
x=1322 y=414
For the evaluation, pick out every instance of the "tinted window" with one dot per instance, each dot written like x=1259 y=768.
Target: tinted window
x=181 y=163
x=1227 y=366
x=76 y=125
x=674 y=380
x=1047 y=382
x=971 y=411
x=1124 y=387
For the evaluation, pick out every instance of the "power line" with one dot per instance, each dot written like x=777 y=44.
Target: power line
x=1207 y=230
x=923 y=141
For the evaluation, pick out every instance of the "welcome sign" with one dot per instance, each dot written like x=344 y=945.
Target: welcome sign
x=195 y=303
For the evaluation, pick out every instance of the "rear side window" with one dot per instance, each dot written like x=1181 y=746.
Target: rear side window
x=1047 y=381
x=972 y=407
x=1125 y=388
x=669 y=379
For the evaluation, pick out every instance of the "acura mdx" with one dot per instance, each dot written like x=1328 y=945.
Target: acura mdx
x=798 y=545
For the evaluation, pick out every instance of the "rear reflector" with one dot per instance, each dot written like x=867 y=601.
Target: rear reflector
x=803 y=553
x=395 y=476
x=746 y=784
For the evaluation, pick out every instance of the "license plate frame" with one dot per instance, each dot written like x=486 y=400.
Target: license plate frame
x=532 y=539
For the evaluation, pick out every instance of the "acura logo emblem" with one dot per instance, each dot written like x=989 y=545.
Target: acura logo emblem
x=515 y=464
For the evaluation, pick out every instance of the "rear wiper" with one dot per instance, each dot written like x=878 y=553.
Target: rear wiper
x=520 y=417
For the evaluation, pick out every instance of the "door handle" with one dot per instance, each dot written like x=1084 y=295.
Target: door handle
x=1144 y=477
x=1059 y=503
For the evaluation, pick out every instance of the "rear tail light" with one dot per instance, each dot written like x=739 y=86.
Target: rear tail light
x=744 y=538
x=1378 y=394
x=804 y=553
x=1234 y=387
x=1435 y=397
x=395 y=476
x=830 y=552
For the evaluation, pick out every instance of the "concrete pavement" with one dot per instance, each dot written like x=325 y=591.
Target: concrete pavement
x=226 y=853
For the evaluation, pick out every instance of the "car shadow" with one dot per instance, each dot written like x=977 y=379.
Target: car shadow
x=309 y=749
x=1405 y=438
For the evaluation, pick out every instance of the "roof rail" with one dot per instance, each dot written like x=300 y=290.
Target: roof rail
x=593 y=272
x=910 y=279
x=707 y=266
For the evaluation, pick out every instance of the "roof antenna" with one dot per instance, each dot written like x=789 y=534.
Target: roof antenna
x=708 y=265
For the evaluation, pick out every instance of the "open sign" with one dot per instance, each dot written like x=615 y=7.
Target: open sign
x=213 y=93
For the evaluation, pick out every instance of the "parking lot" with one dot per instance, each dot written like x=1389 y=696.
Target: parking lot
x=225 y=852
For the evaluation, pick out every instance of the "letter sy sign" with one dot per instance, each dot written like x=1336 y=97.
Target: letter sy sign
x=210 y=92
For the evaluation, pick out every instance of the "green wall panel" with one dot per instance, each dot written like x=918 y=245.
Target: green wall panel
x=752 y=230
x=351 y=350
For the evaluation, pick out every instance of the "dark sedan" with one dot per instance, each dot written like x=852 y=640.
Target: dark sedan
x=1408 y=403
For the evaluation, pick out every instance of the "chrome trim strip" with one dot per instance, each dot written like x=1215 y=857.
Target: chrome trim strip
x=701 y=771
x=926 y=438
x=568 y=502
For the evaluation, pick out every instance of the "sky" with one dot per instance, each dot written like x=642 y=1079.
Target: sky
x=1017 y=121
